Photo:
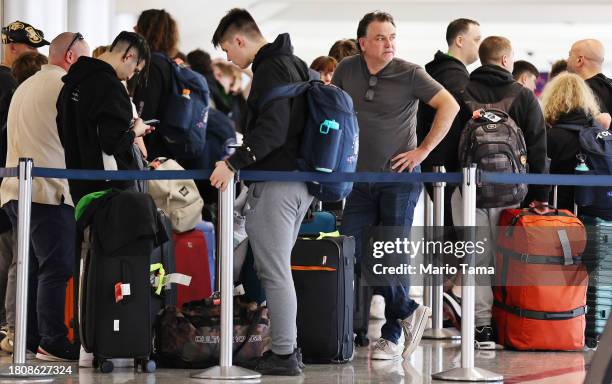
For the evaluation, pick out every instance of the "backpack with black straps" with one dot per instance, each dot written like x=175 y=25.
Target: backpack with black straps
x=183 y=128
x=596 y=154
x=330 y=140
x=492 y=140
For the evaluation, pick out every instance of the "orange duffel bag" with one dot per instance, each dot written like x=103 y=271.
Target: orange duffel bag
x=541 y=283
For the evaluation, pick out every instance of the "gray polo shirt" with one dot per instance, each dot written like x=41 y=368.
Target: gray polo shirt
x=387 y=124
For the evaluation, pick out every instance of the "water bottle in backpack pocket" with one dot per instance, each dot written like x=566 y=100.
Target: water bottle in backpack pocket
x=330 y=140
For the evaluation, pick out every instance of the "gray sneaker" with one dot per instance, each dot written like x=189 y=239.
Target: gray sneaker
x=414 y=326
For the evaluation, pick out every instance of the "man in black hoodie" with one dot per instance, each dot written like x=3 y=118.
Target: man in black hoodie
x=585 y=59
x=275 y=209
x=94 y=113
x=449 y=69
x=491 y=83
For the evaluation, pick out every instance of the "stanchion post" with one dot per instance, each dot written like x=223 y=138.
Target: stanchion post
x=23 y=251
x=428 y=208
x=437 y=332
x=467 y=372
x=225 y=370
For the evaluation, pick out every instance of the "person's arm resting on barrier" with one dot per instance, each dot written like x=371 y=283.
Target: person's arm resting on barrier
x=446 y=110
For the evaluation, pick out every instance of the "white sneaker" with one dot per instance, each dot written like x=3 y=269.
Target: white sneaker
x=377 y=308
x=385 y=350
x=414 y=326
x=85 y=358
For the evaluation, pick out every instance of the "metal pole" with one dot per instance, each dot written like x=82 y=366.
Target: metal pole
x=436 y=331
x=467 y=371
x=426 y=256
x=23 y=251
x=225 y=370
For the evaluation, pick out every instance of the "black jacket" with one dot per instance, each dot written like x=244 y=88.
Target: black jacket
x=151 y=99
x=272 y=135
x=453 y=76
x=602 y=88
x=7 y=81
x=490 y=84
x=94 y=114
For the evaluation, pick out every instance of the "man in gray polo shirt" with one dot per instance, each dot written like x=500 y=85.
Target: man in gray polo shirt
x=386 y=91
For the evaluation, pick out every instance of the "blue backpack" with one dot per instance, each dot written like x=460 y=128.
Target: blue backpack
x=183 y=128
x=330 y=140
x=596 y=150
x=220 y=134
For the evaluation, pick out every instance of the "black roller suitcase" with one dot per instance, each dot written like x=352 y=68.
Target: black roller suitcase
x=361 y=316
x=598 y=258
x=164 y=254
x=115 y=292
x=323 y=272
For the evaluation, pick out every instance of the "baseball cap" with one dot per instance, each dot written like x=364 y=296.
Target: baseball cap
x=20 y=32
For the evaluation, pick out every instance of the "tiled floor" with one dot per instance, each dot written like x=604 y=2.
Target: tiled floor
x=430 y=357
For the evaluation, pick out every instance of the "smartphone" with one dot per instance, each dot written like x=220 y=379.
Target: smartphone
x=151 y=122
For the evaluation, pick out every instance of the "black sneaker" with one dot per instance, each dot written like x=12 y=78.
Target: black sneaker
x=484 y=337
x=298 y=356
x=273 y=364
x=62 y=351
x=451 y=306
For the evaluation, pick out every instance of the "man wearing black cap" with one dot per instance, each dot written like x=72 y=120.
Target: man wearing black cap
x=17 y=37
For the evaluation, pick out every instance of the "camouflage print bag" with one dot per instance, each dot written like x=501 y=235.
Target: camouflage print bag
x=189 y=338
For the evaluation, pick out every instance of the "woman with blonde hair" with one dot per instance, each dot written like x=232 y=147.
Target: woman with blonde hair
x=569 y=105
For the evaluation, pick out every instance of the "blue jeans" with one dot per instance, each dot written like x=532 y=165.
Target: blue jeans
x=383 y=204
x=52 y=261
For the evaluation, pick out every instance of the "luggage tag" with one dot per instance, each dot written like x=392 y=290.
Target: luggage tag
x=176 y=278
x=121 y=290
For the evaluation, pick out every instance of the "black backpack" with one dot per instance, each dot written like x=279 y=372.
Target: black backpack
x=492 y=140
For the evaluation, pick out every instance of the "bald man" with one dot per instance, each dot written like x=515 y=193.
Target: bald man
x=586 y=59
x=32 y=132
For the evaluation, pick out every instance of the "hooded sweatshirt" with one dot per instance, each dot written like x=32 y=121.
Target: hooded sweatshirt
x=95 y=115
x=273 y=133
x=602 y=88
x=490 y=84
x=453 y=75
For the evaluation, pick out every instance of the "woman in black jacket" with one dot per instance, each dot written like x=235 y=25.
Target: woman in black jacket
x=161 y=32
x=568 y=102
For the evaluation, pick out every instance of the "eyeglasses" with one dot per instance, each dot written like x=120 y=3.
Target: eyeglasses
x=369 y=96
x=77 y=36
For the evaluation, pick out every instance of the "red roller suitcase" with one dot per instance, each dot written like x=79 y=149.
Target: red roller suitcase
x=191 y=258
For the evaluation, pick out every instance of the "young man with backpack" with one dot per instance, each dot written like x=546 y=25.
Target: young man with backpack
x=492 y=84
x=386 y=91
x=271 y=142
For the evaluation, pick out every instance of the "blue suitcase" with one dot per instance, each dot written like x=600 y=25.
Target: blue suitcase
x=318 y=222
x=209 y=233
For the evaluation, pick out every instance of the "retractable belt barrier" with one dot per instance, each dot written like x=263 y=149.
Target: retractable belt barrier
x=468 y=179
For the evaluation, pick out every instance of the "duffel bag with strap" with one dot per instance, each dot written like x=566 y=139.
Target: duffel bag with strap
x=541 y=282
x=189 y=338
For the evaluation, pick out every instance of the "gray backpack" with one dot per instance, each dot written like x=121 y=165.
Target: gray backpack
x=492 y=140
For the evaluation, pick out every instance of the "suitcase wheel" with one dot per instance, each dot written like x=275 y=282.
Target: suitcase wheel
x=361 y=339
x=148 y=366
x=106 y=366
x=591 y=342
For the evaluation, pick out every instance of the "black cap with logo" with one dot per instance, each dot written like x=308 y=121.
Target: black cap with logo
x=20 y=32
